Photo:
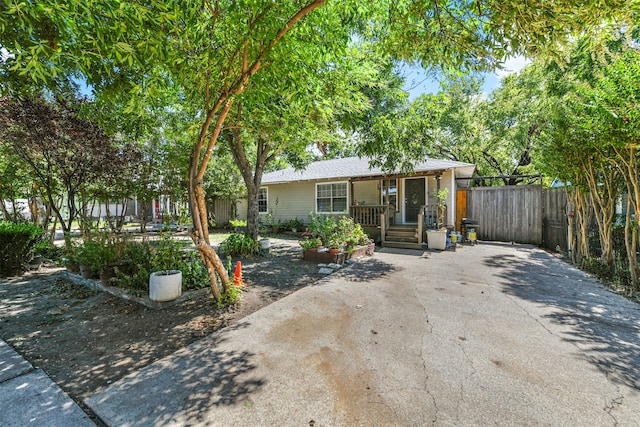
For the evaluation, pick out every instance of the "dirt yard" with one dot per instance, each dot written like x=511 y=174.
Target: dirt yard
x=86 y=340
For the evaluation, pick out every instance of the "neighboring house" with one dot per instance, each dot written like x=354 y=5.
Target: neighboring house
x=381 y=202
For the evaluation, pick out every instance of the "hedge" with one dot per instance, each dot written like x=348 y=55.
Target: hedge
x=17 y=242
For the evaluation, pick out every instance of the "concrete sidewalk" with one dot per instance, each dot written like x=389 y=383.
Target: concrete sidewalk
x=29 y=397
x=491 y=334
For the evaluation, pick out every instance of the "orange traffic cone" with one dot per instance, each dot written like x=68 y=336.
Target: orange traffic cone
x=237 y=277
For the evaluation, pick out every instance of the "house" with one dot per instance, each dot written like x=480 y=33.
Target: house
x=392 y=208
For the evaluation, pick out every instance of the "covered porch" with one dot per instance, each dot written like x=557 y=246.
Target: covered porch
x=396 y=210
x=375 y=221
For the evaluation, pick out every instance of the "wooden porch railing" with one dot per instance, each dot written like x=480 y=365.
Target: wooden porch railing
x=370 y=215
x=430 y=216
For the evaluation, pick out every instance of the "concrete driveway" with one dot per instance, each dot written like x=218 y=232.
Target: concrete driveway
x=491 y=334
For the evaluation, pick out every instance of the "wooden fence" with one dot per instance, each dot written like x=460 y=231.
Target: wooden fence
x=520 y=214
x=555 y=225
x=223 y=210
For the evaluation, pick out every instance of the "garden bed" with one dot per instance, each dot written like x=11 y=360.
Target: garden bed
x=123 y=294
x=340 y=257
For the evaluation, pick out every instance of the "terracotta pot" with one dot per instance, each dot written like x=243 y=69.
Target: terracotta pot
x=334 y=250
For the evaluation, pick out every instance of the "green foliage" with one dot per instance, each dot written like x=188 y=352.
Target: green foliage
x=310 y=243
x=166 y=254
x=239 y=244
x=48 y=250
x=238 y=223
x=442 y=205
x=291 y=224
x=231 y=296
x=96 y=253
x=194 y=273
x=17 y=245
x=338 y=232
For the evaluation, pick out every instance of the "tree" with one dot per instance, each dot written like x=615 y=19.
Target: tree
x=64 y=152
x=282 y=117
x=592 y=142
x=514 y=116
x=214 y=49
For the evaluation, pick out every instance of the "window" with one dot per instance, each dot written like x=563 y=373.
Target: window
x=331 y=198
x=263 y=200
x=390 y=194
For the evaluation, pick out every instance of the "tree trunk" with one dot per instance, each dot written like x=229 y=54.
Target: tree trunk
x=200 y=234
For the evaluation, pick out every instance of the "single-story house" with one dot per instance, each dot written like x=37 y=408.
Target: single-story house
x=383 y=203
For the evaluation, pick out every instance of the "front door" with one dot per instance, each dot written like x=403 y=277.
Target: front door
x=414 y=198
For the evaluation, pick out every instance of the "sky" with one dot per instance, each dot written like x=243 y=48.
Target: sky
x=417 y=83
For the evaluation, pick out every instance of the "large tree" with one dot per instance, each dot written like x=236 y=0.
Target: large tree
x=213 y=49
x=63 y=151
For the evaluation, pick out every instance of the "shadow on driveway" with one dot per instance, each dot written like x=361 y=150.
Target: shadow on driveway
x=604 y=326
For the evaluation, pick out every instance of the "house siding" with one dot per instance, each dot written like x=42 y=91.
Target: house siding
x=292 y=200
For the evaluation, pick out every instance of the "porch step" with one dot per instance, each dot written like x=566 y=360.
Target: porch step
x=402 y=232
x=399 y=236
x=402 y=245
x=408 y=239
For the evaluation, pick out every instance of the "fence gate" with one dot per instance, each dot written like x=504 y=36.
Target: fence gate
x=521 y=214
x=507 y=214
x=555 y=218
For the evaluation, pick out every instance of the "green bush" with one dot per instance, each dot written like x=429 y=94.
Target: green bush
x=239 y=244
x=291 y=224
x=334 y=232
x=97 y=253
x=17 y=245
x=194 y=273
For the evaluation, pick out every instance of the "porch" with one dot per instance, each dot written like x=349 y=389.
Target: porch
x=374 y=219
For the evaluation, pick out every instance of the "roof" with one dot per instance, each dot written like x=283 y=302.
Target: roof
x=358 y=167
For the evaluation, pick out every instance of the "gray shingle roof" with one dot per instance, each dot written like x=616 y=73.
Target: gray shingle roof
x=352 y=167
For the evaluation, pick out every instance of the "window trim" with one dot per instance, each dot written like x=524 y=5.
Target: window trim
x=315 y=201
x=266 y=199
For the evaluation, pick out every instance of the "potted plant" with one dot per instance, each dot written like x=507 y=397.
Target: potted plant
x=335 y=243
x=437 y=239
x=310 y=243
x=93 y=257
x=165 y=281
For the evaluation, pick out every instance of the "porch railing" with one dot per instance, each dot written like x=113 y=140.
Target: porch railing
x=430 y=216
x=370 y=215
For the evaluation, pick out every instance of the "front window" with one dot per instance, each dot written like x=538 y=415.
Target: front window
x=390 y=194
x=263 y=200
x=331 y=197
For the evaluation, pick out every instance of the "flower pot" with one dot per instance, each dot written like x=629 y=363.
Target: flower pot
x=165 y=285
x=334 y=250
x=265 y=244
x=437 y=239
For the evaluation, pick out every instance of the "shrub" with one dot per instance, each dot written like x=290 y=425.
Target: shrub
x=17 y=245
x=334 y=232
x=239 y=244
x=310 y=243
x=96 y=253
x=167 y=254
x=291 y=224
x=194 y=273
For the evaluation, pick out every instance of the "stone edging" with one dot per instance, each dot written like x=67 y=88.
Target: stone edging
x=122 y=294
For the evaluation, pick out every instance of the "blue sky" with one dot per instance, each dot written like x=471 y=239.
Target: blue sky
x=418 y=83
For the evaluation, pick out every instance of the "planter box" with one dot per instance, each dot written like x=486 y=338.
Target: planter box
x=339 y=258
